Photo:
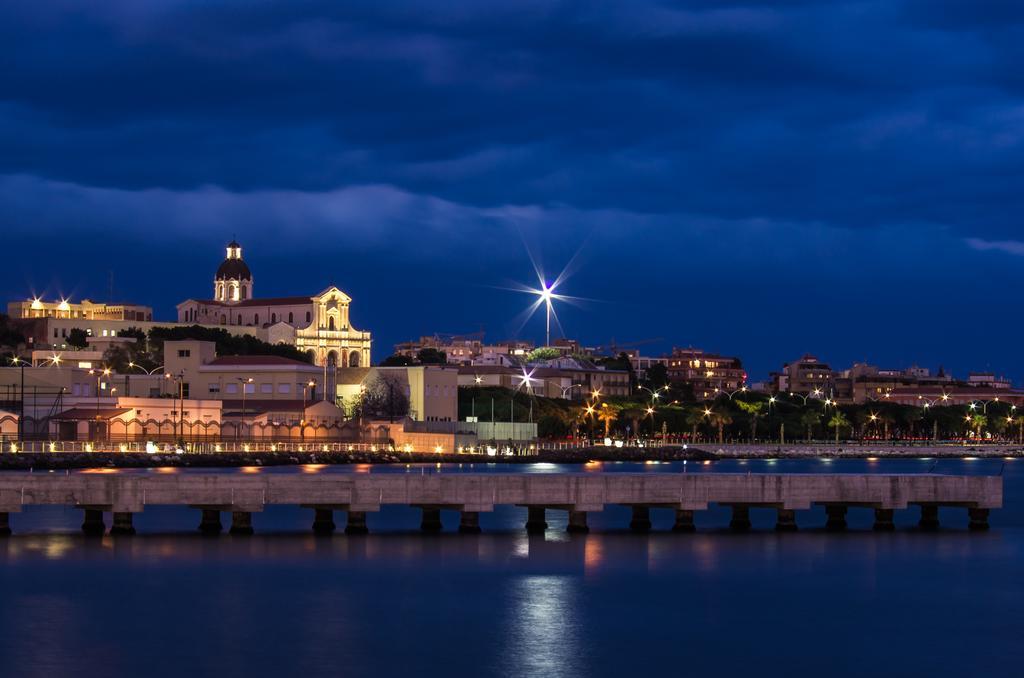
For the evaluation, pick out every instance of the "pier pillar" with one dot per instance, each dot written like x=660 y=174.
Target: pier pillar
x=929 y=517
x=684 y=521
x=210 y=522
x=92 y=524
x=241 y=523
x=641 y=521
x=785 y=520
x=883 y=520
x=356 y=523
x=122 y=524
x=5 y=524
x=323 y=521
x=740 y=518
x=469 y=523
x=431 y=521
x=536 y=522
x=577 y=522
x=836 y=517
x=978 y=519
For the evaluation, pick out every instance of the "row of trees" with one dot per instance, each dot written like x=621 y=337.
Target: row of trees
x=745 y=417
x=148 y=349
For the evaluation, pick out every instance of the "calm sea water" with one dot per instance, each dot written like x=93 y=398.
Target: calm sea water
x=168 y=602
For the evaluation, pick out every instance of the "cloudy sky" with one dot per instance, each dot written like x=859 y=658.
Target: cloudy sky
x=756 y=178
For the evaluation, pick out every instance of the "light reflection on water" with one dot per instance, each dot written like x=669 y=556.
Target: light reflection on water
x=169 y=602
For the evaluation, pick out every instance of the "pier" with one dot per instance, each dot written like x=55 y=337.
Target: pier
x=361 y=494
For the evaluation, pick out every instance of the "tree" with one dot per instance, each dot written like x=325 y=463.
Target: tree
x=694 y=418
x=10 y=335
x=721 y=420
x=397 y=360
x=543 y=353
x=657 y=376
x=838 y=421
x=634 y=415
x=978 y=423
x=754 y=411
x=226 y=343
x=77 y=338
x=431 y=356
x=809 y=419
x=383 y=398
x=608 y=415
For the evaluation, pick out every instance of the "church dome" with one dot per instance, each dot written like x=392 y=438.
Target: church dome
x=233 y=269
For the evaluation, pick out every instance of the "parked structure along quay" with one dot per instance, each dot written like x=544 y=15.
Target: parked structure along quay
x=123 y=495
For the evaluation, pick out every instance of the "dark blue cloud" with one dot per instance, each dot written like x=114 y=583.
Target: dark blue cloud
x=702 y=148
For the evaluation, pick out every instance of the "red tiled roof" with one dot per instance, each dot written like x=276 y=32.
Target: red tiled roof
x=256 y=360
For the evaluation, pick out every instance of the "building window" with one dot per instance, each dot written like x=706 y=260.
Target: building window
x=231 y=388
x=273 y=318
x=214 y=388
x=185 y=353
x=250 y=388
x=256 y=319
x=291 y=319
x=184 y=389
x=284 y=388
x=308 y=317
x=266 y=388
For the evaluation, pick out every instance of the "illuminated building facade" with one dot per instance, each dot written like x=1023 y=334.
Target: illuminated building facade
x=84 y=310
x=318 y=324
x=706 y=373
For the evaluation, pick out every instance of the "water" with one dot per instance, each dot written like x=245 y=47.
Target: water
x=168 y=602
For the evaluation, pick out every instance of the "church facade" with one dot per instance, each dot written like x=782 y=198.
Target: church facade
x=318 y=324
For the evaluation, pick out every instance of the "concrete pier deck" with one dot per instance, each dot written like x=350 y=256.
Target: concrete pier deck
x=472 y=494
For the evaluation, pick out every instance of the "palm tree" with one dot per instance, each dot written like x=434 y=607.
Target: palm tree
x=634 y=415
x=721 y=420
x=754 y=411
x=608 y=415
x=694 y=418
x=809 y=419
x=978 y=422
x=838 y=421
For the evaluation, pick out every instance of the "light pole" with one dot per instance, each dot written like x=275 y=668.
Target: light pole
x=18 y=362
x=245 y=381
x=180 y=378
x=135 y=366
x=720 y=392
x=816 y=393
x=105 y=372
x=302 y=422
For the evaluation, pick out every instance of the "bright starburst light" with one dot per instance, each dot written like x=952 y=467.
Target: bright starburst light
x=546 y=295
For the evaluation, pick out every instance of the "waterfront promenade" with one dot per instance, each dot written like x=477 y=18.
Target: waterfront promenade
x=242 y=494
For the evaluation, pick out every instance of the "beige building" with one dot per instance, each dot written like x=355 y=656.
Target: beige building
x=205 y=375
x=432 y=390
x=562 y=378
x=83 y=310
x=318 y=324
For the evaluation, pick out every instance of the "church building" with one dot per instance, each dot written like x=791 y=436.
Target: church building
x=318 y=324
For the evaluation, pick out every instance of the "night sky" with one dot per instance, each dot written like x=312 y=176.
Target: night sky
x=757 y=178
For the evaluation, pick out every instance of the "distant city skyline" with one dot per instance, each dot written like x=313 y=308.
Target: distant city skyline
x=493 y=302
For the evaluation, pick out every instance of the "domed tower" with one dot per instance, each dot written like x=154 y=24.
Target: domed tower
x=233 y=281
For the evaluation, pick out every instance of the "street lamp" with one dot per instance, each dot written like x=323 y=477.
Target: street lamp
x=18 y=362
x=719 y=392
x=105 y=372
x=245 y=381
x=180 y=378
